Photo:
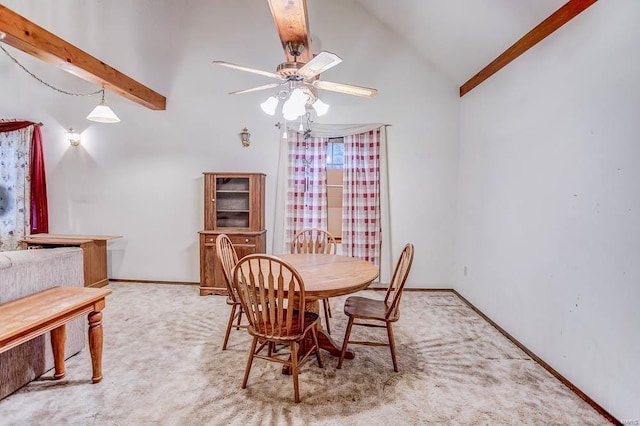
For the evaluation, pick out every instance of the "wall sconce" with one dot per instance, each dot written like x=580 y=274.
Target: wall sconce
x=73 y=137
x=244 y=136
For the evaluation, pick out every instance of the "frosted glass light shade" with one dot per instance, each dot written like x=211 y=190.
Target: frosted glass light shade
x=294 y=107
x=103 y=114
x=269 y=106
x=320 y=107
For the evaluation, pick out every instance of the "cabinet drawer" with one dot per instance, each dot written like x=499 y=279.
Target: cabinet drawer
x=244 y=240
x=208 y=240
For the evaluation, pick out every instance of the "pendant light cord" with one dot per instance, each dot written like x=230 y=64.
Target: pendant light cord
x=47 y=84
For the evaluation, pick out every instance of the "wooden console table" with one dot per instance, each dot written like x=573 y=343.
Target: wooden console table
x=49 y=311
x=94 y=248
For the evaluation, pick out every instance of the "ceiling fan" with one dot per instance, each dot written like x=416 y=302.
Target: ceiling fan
x=298 y=75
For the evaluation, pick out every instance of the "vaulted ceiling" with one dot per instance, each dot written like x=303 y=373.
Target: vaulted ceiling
x=460 y=37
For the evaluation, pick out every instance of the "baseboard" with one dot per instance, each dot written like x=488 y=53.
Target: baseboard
x=123 y=280
x=540 y=361
x=413 y=289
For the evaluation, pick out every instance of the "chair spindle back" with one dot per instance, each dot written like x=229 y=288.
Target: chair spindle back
x=270 y=290
x=314 y=240
x=228 y=258
x=396 y=286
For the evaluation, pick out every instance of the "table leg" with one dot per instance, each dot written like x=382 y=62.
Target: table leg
x=58 y=338
x=95 y=345
x=325 y=340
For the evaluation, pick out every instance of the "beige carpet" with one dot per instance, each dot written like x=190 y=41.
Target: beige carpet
x=163 y=365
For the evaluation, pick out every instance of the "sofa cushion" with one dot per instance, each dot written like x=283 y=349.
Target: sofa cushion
x=5 y=262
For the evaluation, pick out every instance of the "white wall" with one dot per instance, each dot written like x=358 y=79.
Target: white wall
x=142 y=179
x=549 y=202
x=547 y=222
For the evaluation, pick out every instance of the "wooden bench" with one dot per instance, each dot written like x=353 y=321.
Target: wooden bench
x=29 y=317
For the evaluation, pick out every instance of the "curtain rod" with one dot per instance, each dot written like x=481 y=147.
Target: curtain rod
x=279 y=124
x=11 y=120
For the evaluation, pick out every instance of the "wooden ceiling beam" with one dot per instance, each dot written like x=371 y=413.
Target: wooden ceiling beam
x=24 y=35
x=560 y=17
x=292 y=24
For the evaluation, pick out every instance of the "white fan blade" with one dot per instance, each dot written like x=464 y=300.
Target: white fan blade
x=322 y=62
x=247 y=69
x=255 y=89
x=348 y=89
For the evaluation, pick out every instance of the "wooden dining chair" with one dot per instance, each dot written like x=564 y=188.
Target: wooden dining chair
x=316 y=240
x=272 y=295
x=228 y=259
x=374 y=312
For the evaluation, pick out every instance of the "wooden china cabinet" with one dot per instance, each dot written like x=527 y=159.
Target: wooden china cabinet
x=233 y=205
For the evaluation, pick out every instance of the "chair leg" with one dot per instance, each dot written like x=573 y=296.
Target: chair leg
x=327 y=314
x=345 y=342
x=314 y=335
x=270 y=349
x=294 y=371
x=229 y=324
x=249 y=362
x=392 y=346
x=239 y=319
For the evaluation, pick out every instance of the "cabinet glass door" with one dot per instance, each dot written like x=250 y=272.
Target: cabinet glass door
x=232 y=202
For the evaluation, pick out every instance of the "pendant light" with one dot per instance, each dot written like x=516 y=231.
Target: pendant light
x=102 y=113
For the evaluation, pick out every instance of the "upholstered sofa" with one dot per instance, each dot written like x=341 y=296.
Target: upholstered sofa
x=24 y=272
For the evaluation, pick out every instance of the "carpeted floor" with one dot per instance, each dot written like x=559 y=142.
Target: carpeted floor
x=163 y=364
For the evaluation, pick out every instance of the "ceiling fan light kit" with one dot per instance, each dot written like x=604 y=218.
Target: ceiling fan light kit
x=295 y=106
x=299 y=79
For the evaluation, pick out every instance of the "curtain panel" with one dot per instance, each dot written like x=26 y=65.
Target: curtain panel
x=39 y=203
x=15 y=151
x=23 y=192
x=361 y=197
x=306 y=205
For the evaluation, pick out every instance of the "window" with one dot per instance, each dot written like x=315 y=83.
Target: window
x=335 y=165
x=335 y=153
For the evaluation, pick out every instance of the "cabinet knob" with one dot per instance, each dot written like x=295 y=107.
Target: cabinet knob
x=211 y=239
x=213 y=200
x=246 y=240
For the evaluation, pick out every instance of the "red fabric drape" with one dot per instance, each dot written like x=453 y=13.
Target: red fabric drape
x=10 y=126
x=39 y=206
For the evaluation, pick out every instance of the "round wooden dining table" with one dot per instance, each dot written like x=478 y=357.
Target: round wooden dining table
x=326 y=276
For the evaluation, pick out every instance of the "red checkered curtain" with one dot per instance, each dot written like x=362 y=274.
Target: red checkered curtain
x=306 y=205
x=361 y=196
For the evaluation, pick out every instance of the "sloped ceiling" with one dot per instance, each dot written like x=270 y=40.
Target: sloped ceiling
x=460 y=37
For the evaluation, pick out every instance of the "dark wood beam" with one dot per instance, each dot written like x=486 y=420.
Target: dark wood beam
x=560 y=17
x=36 y=41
